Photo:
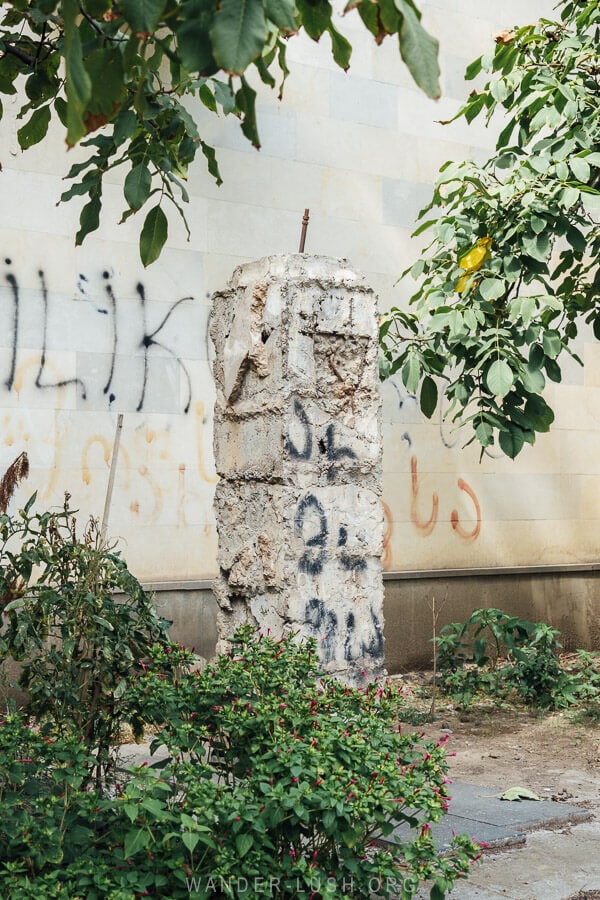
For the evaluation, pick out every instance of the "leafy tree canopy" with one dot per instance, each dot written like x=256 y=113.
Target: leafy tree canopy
x=117 y=74
x=512 y=269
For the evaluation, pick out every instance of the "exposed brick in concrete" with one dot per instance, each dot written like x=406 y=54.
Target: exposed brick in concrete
x=298 y=450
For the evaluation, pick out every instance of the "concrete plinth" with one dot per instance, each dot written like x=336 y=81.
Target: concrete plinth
x=298 y=450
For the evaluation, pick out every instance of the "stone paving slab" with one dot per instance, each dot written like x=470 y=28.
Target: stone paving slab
x=561 y=864
x=478 y=811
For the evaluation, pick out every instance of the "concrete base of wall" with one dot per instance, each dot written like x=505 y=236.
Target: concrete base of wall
x=567 y=598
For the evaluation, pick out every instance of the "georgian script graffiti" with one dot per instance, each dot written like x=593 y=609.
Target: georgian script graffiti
x=425 y=526
x=143 y=336
x=335 y=630
x=326 y=445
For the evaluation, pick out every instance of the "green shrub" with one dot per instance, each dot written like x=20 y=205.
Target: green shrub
x=496 y=654
x=77 y=621
x=278 y=784
x=306 y=774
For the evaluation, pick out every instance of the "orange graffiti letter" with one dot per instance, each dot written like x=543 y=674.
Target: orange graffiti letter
x=424 y=527
x=461 y=532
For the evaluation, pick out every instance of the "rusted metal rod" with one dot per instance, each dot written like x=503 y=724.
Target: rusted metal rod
x=305 y=219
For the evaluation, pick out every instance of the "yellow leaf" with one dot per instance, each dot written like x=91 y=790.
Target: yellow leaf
x=473 y=260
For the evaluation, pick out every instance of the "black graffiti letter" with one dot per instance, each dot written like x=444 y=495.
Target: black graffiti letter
x=115 y=336
x=148 y=341
x=353 y=562
x=306 y=451
x=350 y=628
x=375 y=646
x=311 y=562
x=323 y=623
x=15 y=292
x=334 y=453
x=38 y=378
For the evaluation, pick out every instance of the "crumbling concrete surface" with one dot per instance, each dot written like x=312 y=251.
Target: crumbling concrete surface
x=298 y=451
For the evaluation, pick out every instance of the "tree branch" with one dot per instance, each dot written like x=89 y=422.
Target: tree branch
x=24 y=57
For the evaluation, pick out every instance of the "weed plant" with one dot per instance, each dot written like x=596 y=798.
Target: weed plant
x=503 y=656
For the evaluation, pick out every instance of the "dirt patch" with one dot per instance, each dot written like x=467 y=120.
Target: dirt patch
x=556 y=754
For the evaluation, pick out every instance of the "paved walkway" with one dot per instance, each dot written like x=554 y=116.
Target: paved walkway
x=538 y=850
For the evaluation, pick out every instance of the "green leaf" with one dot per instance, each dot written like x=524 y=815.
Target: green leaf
x=193 y=39
x=315 y=17
x=536 y=356
x=552 y=344
x=537 y=246
x=89 y=219
x=512 y=267
x=539 y=413
x=243 y=842
x=208 y=98
x=329 y=820
x=429 y=396
x=105 y=69
x=484 y=433
x=437 y=893
x=473 y=69
x=213 y=166
x=533 y=379
x=591 y=201
x=537 y=224
x=246 y=102
x=121 y=689
x=190 y=840
x=411 y=374
x=283 y=13
x=153 y=236
x=342 y=48
x=224 y=95
x=553 y=370
x=580 y=168
x=135 y=841
x=238 y=34
x=519 y=793
x=499 y=378
x=125 y=126
x=35 y=129
x=492 y=288
x=78 y=86
x=511 y=442
x=143 y=15
x=419 y=50
x=138 y=184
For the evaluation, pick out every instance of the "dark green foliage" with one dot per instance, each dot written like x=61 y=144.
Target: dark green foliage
x=127 y=68
x=512 y=269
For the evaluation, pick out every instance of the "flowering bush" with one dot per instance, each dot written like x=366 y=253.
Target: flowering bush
x=296 y=779
x=278 y=784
